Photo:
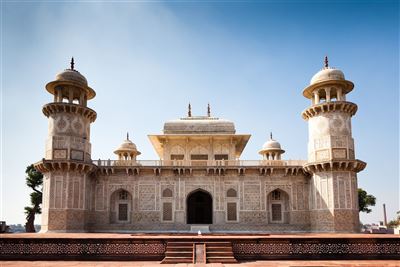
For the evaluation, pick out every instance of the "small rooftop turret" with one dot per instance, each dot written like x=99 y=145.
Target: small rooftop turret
x=127 y=150
x=271 y=150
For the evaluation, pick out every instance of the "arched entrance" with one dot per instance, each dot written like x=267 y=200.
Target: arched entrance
x=199 y=208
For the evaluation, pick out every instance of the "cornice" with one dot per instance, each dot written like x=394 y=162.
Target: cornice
x=57 y=107
x=64 y=165
x=343 y=106
x=335 y=165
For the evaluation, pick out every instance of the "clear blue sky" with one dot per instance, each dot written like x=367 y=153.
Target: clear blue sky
x=249 y=60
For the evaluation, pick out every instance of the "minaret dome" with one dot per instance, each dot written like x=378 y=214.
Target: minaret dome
x=327 y=85
x=72 y=86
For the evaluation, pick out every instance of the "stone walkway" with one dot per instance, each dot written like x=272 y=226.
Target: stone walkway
x=363 y=263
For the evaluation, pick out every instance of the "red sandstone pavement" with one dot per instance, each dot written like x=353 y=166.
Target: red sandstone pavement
x=191 y=236
x=366 y=263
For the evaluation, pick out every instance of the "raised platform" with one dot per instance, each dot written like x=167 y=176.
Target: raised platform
x=95 y=246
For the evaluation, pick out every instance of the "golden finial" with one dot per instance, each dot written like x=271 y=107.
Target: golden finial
x=326 y=62
x=189 y=110
x=72 y=63
x=208 y=110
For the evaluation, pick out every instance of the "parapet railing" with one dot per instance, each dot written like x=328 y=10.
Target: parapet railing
x=205 y=163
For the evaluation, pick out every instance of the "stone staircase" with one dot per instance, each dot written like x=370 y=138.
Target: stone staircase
x=219 y=252
x=179 y=252
x=199 y=252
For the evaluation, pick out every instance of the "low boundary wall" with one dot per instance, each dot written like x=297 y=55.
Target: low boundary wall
x=153 y=246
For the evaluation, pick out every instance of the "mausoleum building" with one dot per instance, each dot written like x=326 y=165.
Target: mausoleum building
x=199 y=179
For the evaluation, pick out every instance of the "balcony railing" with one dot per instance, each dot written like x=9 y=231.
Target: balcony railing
x=194 y=163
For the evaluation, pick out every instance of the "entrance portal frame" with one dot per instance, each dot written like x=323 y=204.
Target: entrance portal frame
x=190 y=209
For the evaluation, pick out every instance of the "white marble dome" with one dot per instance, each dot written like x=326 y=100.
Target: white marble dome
x=72 y=78
x=69 y=75
x=271 y=144
x=127 y=147
x=272 y=147
x=327 y=74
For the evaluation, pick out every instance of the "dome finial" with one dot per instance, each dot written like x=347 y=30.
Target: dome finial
x=189 y=110
x=270 y=135
x=127 y=135
x=208 y=110
x=326 y=65
x=72 y=63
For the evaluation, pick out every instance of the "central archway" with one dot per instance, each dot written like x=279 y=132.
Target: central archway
x=199 y=207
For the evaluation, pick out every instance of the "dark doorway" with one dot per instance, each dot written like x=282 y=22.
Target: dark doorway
x=199 y=208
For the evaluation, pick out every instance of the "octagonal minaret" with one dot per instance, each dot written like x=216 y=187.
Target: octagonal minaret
x=331 y=156
x=67 y=161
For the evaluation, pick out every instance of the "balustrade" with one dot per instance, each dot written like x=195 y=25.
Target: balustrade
x=194 y=163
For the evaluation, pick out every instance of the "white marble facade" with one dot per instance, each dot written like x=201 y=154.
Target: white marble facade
x=199 y=177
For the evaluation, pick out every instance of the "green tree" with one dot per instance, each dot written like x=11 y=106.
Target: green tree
x=396 y=222
x=34 y=179
x=365 y=200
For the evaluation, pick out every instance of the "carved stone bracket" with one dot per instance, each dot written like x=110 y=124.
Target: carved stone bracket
x=216 y=171
x=182 y=171
x=157 y=171
x=266 y=171
x=51 y=108
x=241 y=171
x=106 y=170
x=294 y=171
x=336 y=165
x=132 y=171
x=64 y=165
x=316 y=110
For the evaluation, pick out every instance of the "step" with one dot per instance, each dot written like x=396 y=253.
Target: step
x=179 y=253
x=170 y=258
x=180 y=243
x=180 y=248
x=176 y=261
x=221 y=260
x=219 y=243
x=219 y=248
x=219 y=253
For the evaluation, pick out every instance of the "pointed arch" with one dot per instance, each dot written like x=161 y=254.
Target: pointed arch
x=120 y=206
x=278 y=204
x=199 y=207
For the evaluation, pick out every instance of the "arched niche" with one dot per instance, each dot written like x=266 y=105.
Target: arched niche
x=278 y=207
x=120 y=206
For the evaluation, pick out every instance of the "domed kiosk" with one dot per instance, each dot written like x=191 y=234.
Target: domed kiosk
x=328 y=84
x=127 y=150
x=271 y=150
x=72 y=86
